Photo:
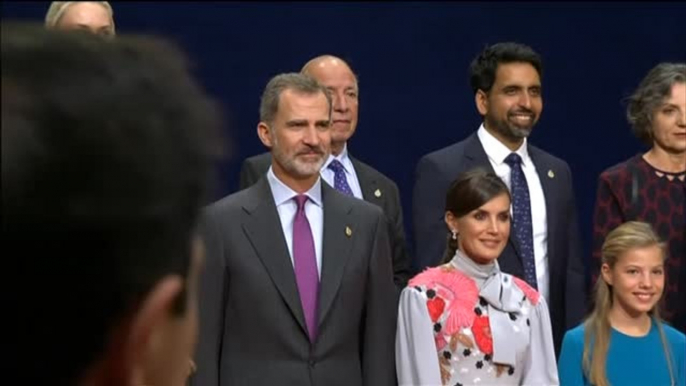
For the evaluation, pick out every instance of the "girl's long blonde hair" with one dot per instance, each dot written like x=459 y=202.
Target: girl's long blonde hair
x=630 y=235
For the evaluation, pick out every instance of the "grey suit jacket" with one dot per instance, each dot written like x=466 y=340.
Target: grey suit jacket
x=252 y=327
x=436 y=171
x=371 y=182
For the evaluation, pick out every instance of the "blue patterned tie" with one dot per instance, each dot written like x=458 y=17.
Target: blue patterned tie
x=521 y=210
x=340 y=183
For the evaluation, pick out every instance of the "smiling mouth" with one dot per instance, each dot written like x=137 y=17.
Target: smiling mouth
x=491 y=243
x=644 y=297
x=522 y=117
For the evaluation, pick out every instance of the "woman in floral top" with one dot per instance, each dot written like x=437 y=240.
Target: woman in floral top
x=466 y=322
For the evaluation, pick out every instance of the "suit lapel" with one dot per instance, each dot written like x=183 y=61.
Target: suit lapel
x=263 y=228
x=546 y=176
x=475 y=156
x=368 y=183
x=339 y=233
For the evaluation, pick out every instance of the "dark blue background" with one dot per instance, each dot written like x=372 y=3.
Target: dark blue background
x=412 y=61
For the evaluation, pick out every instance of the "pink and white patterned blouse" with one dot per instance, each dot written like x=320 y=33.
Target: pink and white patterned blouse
x=468 y=324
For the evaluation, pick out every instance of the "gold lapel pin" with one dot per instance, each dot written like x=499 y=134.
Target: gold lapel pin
x=348 y=231
x=377 y=193
x=551 y=174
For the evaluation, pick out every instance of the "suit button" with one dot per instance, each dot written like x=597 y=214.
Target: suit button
x=312 y=363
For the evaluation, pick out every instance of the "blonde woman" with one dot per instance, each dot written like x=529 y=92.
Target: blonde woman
x=93 y=16
x=624 y=341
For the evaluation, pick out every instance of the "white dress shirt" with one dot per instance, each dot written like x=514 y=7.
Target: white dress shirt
x=350 y=174
x=497 y=152
x=287 y=207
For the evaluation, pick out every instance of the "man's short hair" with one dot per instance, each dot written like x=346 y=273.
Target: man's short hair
x=301 y=83
x=107 y=151
x=483 y=68
x=58 y=8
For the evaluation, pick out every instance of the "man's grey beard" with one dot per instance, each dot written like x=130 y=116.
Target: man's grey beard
x=299 y=169
x=511 y=131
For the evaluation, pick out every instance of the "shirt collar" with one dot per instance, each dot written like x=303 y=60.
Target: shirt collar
x=343 y=158
x=282 y=193
x=496 y=151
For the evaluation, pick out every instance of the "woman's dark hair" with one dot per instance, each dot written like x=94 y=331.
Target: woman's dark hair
x=468 y=192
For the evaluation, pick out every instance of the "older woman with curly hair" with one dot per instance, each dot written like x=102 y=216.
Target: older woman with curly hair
x=651 y=187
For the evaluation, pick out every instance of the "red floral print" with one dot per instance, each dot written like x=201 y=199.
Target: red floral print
x=436 y=307
x=482 y=334
x=459 y=292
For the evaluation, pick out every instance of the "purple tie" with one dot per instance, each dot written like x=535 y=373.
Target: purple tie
x=305 y=262
x=340 y=183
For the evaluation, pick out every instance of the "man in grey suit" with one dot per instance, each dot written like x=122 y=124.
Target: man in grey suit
x=342 y=171
x=298 y=285
x=544 y=247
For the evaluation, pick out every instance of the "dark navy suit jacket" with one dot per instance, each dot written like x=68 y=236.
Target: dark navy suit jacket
x=436 y=171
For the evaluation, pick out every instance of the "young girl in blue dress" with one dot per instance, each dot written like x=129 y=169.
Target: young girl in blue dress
x=624 y=342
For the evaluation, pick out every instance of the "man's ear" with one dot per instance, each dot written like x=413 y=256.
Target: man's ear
x=264 y=134
x=131 y=340
x=150 y=321
x=481 y=100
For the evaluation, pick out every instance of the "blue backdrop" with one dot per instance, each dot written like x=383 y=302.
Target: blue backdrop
x=412 y=60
